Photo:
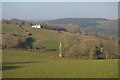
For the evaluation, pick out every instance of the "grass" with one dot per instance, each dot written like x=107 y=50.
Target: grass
x=49 y=37
x=21 y=64
x=10 y=29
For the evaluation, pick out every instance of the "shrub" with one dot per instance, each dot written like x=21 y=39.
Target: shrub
x=9 y=41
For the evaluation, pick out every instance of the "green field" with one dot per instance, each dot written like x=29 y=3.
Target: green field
x=12 y=29
x=22 y=64
x=49 y=37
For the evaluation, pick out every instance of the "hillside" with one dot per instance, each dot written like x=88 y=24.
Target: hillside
x=12 y=29
x=82 y=22
x=22 y=63
x=97 y=25
x=109 y=28
x=49 y=37
x=31 y=23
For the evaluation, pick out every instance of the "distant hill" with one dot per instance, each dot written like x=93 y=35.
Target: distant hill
x=82 y=22
x=30 y=23
x=97 y=25
x=109 y=28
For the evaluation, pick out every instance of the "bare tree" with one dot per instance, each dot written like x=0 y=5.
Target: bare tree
x=73 y=28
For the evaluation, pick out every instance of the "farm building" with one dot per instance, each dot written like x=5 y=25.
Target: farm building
x=36 y=26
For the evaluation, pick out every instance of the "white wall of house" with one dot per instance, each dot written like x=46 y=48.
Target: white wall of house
x=36 y=26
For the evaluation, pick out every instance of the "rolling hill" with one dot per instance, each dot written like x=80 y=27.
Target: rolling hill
x=22 y=63
x=97 y=25
x=12 y=29
x=82 y=22
x=49 y=37
x=110 y=28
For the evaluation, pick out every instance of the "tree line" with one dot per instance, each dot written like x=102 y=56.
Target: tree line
x=22 y=42
x=88 y=47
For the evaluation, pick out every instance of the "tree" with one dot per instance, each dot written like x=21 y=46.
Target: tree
x=9 y=41
x=73 y=28
x=29 y=42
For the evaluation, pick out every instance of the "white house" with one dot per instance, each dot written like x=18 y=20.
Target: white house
x=36 y=26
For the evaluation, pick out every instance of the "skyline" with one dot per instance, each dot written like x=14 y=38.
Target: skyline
x=55 y=10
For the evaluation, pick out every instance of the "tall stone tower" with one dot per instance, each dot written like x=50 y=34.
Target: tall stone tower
x=60 y=50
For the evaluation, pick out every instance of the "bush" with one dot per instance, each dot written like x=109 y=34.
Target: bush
x=9 y=41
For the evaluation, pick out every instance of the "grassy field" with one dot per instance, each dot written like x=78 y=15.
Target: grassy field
x=22 y=64
x=10 y=29
x=49 y=37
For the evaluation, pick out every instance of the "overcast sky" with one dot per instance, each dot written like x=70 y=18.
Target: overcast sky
x=54 y=10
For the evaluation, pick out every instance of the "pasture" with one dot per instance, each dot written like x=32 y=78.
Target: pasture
x=49 y=37
x=22 y=64
x=12 y=29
